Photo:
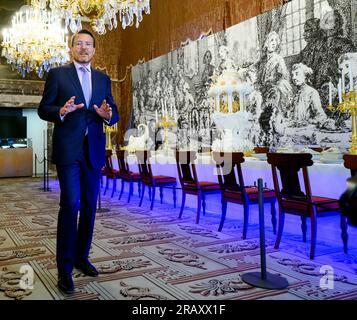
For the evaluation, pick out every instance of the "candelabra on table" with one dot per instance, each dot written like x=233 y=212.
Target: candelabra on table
x=166 y=122
x=108 y=130
x=348 y=103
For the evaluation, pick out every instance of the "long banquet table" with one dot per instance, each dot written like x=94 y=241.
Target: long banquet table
x=326 y=179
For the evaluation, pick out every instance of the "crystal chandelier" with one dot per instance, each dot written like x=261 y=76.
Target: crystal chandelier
x=36 y=41
x=99 y=12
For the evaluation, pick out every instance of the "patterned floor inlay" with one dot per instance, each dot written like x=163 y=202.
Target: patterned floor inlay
x=153 y=255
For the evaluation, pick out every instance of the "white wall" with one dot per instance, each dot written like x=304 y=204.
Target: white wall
x=35 y=130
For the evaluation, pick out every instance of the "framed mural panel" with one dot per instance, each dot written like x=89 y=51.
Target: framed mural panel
x=298 y=60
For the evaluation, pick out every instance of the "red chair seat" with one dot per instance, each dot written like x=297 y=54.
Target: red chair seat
x=110 y=173
x=322 y=205
x=204 y=185
x=252 y=193
x=135 y=176
x=106 y=170
x=164 y=180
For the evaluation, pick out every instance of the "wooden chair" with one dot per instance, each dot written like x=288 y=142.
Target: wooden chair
x=109 y=172
x=290 y=197
x=148 y=179
x=190 y=183
x=230 y=177
x=126 y=175
x=350 y=162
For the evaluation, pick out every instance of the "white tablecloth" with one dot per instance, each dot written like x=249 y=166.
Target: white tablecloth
x=326 y=179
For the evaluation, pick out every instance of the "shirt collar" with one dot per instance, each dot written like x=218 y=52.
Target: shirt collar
x=78 y=66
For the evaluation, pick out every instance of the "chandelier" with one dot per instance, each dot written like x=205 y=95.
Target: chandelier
x=36 y=41
x=99 y=12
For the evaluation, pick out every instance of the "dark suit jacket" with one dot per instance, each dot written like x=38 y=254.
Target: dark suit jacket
x=68 y=135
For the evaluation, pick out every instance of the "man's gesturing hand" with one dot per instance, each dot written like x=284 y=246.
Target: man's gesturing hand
x=69 y=107
x=105 y=111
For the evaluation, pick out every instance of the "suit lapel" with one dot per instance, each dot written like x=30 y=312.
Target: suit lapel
x=74 y=78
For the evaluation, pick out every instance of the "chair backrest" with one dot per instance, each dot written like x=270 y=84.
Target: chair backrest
x=144 y=165
x=228 y=164
x=122 y=161
x=186 y=168
x=350 y=162
x=289 y=165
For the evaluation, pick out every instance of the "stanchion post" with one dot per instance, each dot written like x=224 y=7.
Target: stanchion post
x=44 y=173
x=263 y=279
x=100 y=209
x=46 y=183
x=263 y=265
x=35 y=165
x=47 y=177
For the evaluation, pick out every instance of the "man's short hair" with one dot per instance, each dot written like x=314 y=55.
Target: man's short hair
x=83 y=31
x=305 y=69
x=312 y=24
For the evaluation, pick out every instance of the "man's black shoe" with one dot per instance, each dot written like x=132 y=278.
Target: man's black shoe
x=87 y=268
x=65 y=283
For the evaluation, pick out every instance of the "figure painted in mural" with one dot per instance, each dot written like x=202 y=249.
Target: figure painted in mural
x=70 y=100
x=148 y=88
x=310 y=55
x=255 y=102
x=334 y=44
x=226 y=61
x=307 y=106
x=150 y=144
x=171 y=101
x=182 y=107
x=164 y=81
x=273 y=72
x=179 y=72
x=208 y=70
x=150 y=98
x=255 y=98
x=136 y=111
x=158 y=92
x=195 y=119
x=273 y=80
x=206 y=78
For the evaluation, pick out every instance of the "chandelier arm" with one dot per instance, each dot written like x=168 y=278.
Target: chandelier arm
x=99 y=12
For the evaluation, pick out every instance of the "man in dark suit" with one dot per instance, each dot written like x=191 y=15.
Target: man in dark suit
x=70 y=100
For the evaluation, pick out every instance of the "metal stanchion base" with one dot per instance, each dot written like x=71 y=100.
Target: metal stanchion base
x=272 y=281
x=100 y=209
x=45 y=190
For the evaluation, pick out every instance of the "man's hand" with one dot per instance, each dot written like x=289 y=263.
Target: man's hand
x=69 y=107
x=105 y=111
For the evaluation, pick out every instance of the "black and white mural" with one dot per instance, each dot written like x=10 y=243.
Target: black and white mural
x=298 y=58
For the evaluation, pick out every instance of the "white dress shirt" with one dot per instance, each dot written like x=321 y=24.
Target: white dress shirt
x=80 y=73
x=80 y=77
